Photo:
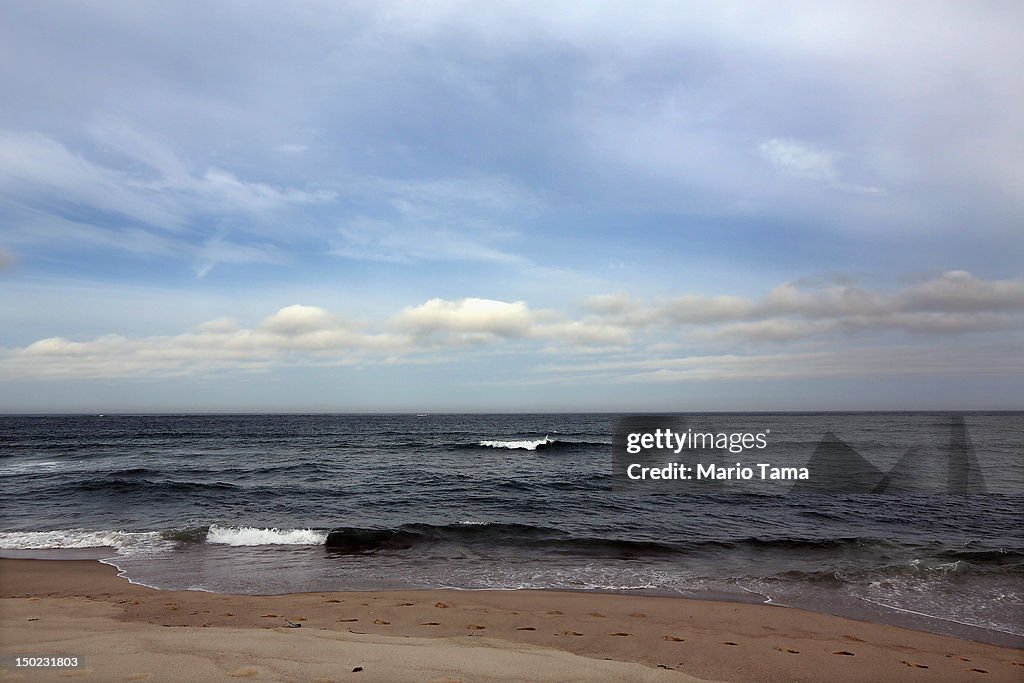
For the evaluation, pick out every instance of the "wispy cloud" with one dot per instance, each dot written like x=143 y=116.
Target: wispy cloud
x=440 y=220
x=804 y=161
x=150 y=204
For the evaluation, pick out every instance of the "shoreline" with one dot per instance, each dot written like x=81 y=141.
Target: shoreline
x=651 y=636
x=871 y=613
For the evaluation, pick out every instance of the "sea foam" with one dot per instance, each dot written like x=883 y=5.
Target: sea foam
x=524 y=444
x=245 y=535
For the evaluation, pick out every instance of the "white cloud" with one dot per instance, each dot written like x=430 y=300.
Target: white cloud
x=702 y=309
x=805 y=161
x=471 y=316
x=847 y=319
x=297 y=319
x=800 y=159
x=958 y=290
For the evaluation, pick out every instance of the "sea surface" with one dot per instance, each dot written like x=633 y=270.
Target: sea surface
x=272 y=504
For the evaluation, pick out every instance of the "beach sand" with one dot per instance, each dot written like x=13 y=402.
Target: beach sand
x=125 y=632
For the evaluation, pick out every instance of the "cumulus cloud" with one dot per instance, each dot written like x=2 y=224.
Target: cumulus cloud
x=844 y=316
x=958 y=290
x=954 y=302
x=468 y=318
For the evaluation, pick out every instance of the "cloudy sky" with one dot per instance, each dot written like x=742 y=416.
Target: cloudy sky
x=490 y=206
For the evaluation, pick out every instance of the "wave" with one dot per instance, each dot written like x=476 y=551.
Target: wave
x=916 y=569
x=77 y=538
x=837 y=561
x=36 y=468
x=129 y=485
x=522 y=444
x=245 y=535
x=250 y=536
x=358 y=540
x=546 y=444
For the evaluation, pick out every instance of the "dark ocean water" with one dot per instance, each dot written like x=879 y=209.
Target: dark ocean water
x=272 y=504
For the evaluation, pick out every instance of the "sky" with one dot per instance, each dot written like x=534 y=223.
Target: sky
x=523 y=207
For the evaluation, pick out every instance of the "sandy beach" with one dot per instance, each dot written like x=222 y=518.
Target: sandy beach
x=133 y=633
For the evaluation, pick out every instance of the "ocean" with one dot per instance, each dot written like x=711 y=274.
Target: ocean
x=269 y=504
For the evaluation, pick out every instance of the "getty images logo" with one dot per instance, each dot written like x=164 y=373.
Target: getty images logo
x=935 y=455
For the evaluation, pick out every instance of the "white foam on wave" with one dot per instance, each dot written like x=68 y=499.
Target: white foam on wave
x=35 y=467
x=247 y=536
x=80 y=538
x=524 y=444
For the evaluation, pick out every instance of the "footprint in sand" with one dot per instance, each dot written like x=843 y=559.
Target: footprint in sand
x=298 y=618
x=269 y=616
x=431 y=623
x=556 y=613
x=405 y=604
x=476 y=627
x=526 y=628
x=846 y=653
x=980 y=671
x=440 y=605
x=674 y=639
x=575 y=633
x=597 y=614
x=620 y=633
x=786 y=649
x=382 y=622
x=246 y=672
x=228 y=614
x=914 y=664
x=348 y=620
x=729 y=642
x=332 y=600
x=854 y=639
